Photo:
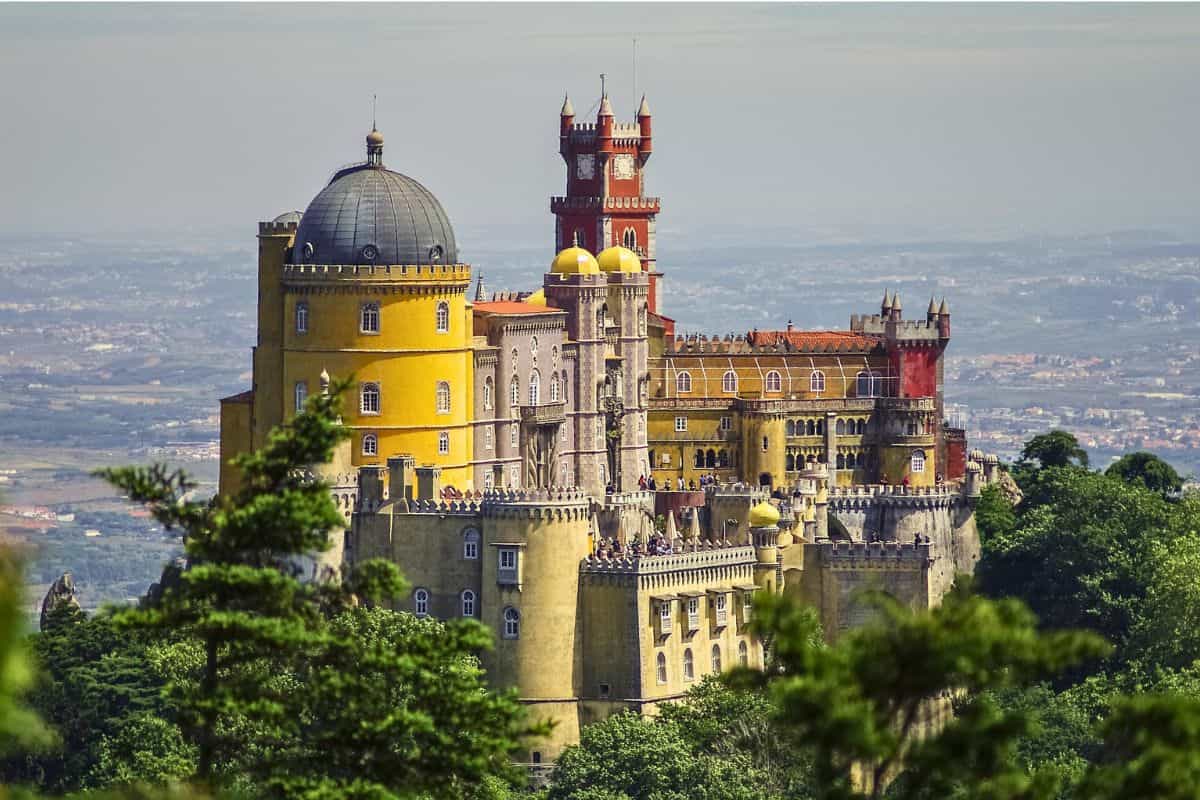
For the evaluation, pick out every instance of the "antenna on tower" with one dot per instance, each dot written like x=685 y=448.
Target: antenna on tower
x=374 y=97
x=635 y=94
x=603 y=91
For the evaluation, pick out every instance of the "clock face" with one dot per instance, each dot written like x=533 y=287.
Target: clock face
x=623 y=166
x=585 y=166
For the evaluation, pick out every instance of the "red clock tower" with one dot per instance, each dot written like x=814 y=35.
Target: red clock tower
x=605 y=204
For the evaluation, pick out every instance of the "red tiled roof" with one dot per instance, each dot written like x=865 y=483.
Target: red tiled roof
x=816 y=340
x=512 y=307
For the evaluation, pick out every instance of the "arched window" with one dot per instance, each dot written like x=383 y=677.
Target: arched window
x=368 y=318
x=442 y=317
x=368 y=401
x=629 y=238
x=512 y=435
x=370 y=444
x=564 y=387
x=811 y=428
x=729 y=381
x=642 y=321
x=689 y=668
x=512 y=623
x=487 y=438
x=710 y=458
x=471 y=544
x=301 y=394
x=421 y=602
x=533 y=348
x=841 y=427
x=600 y=314
x=716 y=658
x=468 y=603
x=791 y=428
x=554 y=389
x=443 y=397
x=698 y=461
x=660 y=668
x=743 y=654
x=868 y=384
x=816 y=381
x=514 y=391
x=791 y=462
x=917 y=462
x=860 y=427
x=774 y=382
x=820 y=427
x=302 y=317
x=443 y=443
x=683 y=382
x=487 y=393
x=841 y=461
x=722 y=458
x=535 y=387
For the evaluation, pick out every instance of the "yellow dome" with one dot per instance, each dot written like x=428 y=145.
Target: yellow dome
x=764 y=515
x=538 y=298
x=575 y=261
x=619 y=259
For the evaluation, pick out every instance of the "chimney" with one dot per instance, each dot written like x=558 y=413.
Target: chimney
x=429 y=482
x=400 y=478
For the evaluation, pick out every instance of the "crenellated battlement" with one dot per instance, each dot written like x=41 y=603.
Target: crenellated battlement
x=548 y=504
x=594 y=203
x=851 y=498
x=901 y=330
x=378 y=273
x=875 y=555
x=708 y=555
x=273 y=228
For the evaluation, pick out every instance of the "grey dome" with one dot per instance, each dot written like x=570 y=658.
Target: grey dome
x=371 y=215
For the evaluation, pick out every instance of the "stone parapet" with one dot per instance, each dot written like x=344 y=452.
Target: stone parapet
x=377 y=273
x=875 y=555
x=708 y=555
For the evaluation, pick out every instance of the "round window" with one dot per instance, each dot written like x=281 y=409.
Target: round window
x=370 y=252
x=435 y=253
x=309 y=251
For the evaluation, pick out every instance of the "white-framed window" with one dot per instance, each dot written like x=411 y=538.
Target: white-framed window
x=471 y=544
x=368 y=398
x=489 y=482
x=816 y=381
x=442 y=394
x=442 y=317
x=512 y=435
x=368 y=318
x=514 y=474
x=683 y=382
x=680 y=424
x=743 y=654
x=508 y=558
x=301 y=394
x=868 y=384
x=774 y=381
x=689 y=667
x=370 y=444
x=487 y=394
x=716 y=659
x=302 y=317
x=512 y=623
x=443 y=443
x=629 y=238
x=660 y=668
x=514 y=392
x=719 y=604
x=726 y=423
x=729 y=382
x=421 y=602
x=917 y=461
x=664 y=614
x=554 y=389
x=487 y=438
x=468 y=603
x=693 y=610
x=535 y=388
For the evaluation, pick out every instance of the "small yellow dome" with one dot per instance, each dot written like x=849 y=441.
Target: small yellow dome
x=575 y=261
x=538 y=298
x=619 y=259
x=764 y=515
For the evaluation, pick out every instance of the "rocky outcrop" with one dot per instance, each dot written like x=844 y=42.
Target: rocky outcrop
x=60 y=595
x=1008 y=487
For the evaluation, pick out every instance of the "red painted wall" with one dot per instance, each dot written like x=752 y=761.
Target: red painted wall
x=917 y=369
x=956 y=454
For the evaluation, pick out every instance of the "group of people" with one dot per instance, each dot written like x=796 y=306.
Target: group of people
x=657 y=545
x=651 y=484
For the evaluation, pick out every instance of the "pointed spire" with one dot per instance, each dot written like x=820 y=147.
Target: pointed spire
x=896 y=301
x=944 y=310
x=887 y=300
x=605 y=106
x=932 y=306
x=644 y=108
x=479 y=295
x=568 y=110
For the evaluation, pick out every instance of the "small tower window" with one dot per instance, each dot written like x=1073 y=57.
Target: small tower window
x=512 y=435
x=683 y=382
x=302 y=317
x=301 y=392
x=917 y=462
x=370 y=444
x=642 y=321
x=840 y=427
x=512 y=623
x=471 y=545
x=729 y=382
x=766 y=444
x=689 y=667
x=774 y=382
x=443 y=397
x=716 y=658
x=421 y=602
x=468 y=603
x=535 y=388
x=629 y=238
x=514 y=391
x=743 y=654
x=369 y=318
x=660 y=668
x=369 y=398
x=487 y=438
x=442 y=317
x=816 y=381
x=554 y=389
x=443 y=443
x=487 y=394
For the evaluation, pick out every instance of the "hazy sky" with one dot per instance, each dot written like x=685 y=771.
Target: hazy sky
x=819 y=121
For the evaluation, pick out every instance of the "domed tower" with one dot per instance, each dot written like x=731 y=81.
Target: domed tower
x=367 y=285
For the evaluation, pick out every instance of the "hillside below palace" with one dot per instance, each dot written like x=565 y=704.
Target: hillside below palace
x=607 y=495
